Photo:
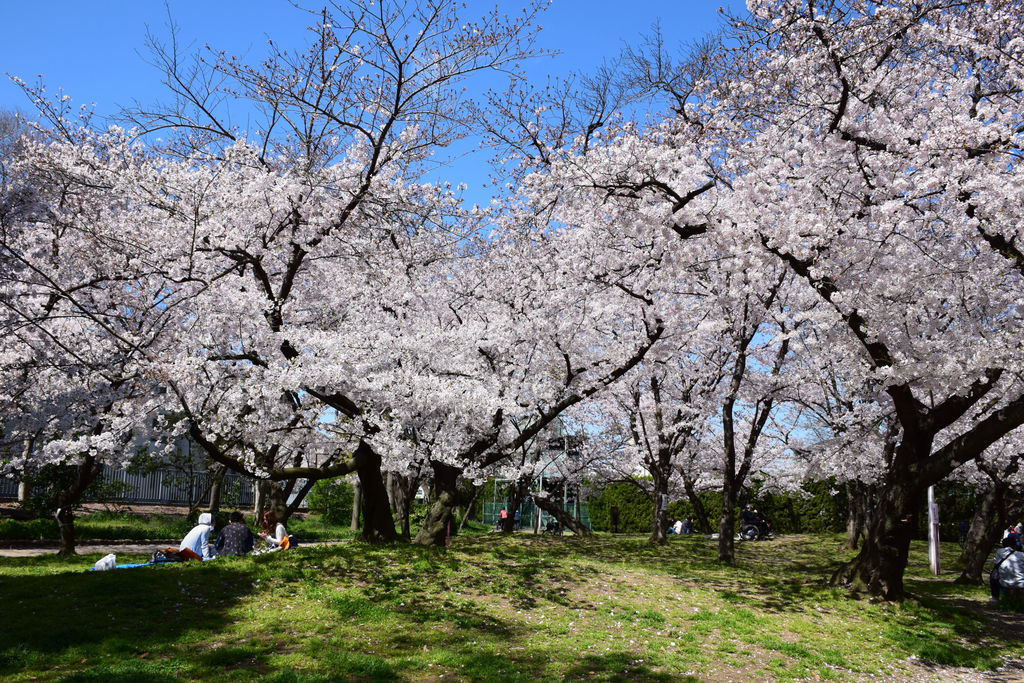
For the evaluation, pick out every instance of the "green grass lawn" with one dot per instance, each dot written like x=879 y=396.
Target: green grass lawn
x=493 y=608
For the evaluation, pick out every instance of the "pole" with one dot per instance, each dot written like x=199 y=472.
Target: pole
x=933 y=532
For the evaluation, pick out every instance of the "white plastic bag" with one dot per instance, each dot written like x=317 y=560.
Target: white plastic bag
x=106 y=562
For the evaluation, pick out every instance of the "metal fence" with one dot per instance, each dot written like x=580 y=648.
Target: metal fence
x=528 y=512
x=8 y=487
x=163 y=487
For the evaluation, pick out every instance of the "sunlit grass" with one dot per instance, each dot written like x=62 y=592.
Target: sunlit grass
x=490 y=608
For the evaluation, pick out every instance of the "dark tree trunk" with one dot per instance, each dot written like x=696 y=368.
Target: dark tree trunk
x=985 y=531
x=357 y=505
x=660 y=525
x=400 y=501
x=378 y=524
x=67 y=500
x=700 y=513
x=437 y=524
x=66 y=525
x=854 y=529
x=564 y=518
x=878 y=568
x=260 y=504
x=275 y=499
x=407 y=485
x=216 y=487
x=299 y=498
x=727 y=523
x=997 y=511
x=861 y=500
x=516 y=493
x=469 y=507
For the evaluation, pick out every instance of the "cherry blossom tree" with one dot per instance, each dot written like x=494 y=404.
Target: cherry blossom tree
x=277 y=265
x=70 y=387
x=311 y=305
x=881 y=156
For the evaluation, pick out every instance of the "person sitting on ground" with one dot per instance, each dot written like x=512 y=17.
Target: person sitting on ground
x=236 y=538
x=197 y=541
x=1008 y=566
x=686 y=526
x=273 y=531
x=678 y=526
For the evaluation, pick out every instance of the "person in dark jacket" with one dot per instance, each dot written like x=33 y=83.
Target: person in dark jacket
x=236 y=538
x=748 y=515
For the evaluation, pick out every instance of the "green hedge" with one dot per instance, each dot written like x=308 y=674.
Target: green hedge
x=332 y=499
x=635 y=509
x=823 y=509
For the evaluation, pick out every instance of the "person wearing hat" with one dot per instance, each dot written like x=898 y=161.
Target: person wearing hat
x=197 y=541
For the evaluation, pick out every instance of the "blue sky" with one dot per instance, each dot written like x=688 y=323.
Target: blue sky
x=95 y=50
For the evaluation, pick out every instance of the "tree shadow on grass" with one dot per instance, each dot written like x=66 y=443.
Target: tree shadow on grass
x=620 y=666
x=76 y=616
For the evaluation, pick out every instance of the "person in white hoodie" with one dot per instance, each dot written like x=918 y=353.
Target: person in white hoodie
x=198 y=539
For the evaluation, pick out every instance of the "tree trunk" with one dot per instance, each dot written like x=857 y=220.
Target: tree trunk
x=299 y=498
x=399 y=487
x=878 y=568
x=259 y=499
x=87 y=473
x=660 y=525
x=23 y=488
x=357 y=505
x=408 y=486
x=66 y=524
x=564 y=518
x=990 y=520
x=700 y=513
x=469 y=508
x=437 y=524
x=216 y=487
x=860 y=497
x=727 y=524
x=516 y=493
x=854 y=529
x=378 y=524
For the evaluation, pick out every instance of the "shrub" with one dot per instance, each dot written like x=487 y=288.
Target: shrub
x=332 y=499
x=636 y=514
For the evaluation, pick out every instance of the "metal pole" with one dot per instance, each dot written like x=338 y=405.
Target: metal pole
x=536 y=510
x=933 y=532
